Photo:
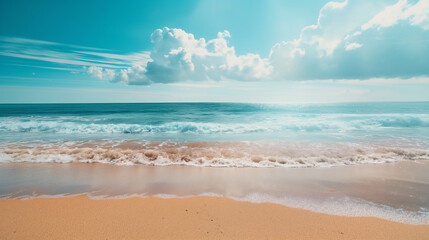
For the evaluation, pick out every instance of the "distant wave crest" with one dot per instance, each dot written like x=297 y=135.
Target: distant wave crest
x=173 y=127
x=307 y=124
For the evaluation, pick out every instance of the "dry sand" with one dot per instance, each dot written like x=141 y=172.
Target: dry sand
x=188 y=218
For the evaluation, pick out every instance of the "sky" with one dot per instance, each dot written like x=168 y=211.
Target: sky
x=214 y=51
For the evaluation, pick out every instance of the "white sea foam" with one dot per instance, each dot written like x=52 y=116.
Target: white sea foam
x=345 y=206
x=211 y=154
x=308 y=123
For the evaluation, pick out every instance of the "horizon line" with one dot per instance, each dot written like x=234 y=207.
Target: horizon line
x=170 y=102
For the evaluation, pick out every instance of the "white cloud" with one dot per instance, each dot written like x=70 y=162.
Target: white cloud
x=101 y=73
x=417 y=14
x=348 y=36
x=179 y=56
x=66 y=54
x=353 y=46
x=347 y=43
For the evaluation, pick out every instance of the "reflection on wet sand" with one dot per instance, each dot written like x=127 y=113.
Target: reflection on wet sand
x=397 y=191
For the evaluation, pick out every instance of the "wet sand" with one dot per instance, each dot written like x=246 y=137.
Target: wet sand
x=187 y=218
x=396 y=191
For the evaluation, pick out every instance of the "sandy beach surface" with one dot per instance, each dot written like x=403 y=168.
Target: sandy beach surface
x=185 y=218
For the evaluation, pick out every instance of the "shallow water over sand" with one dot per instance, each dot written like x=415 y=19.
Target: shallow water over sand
x=396 y=191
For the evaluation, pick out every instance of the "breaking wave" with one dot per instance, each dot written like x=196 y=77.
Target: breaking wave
x=210 y=154
x=174 y=127
x=285 y=123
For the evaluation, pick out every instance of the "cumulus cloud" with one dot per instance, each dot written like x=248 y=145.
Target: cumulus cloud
x=100 y=73
x=179 y=56
x=358 y=39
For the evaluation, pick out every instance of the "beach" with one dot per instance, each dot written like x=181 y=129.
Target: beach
x=200 y=119
x=188 y=218
x=214 y=170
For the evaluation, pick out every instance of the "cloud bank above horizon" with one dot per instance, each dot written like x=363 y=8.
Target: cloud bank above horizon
x=351 y=39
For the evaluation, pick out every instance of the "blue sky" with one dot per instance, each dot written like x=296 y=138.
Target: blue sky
x=240 y=51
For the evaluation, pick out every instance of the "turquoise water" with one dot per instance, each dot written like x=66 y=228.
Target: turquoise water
x=260 y=131
x=231 y=146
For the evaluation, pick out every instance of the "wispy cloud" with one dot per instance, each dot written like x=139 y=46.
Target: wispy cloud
x=67 y=54
x=47 y=67
x=41 y=42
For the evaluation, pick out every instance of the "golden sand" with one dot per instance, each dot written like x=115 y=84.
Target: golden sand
x=188 y=218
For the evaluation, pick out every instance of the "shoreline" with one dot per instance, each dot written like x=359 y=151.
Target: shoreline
x=185 y=218
x=398 y=192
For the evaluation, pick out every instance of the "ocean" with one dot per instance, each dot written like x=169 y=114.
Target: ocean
x=216 y=134
x=353 y=159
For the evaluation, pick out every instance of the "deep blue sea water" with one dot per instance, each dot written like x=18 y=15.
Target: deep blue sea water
x=268 y=135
